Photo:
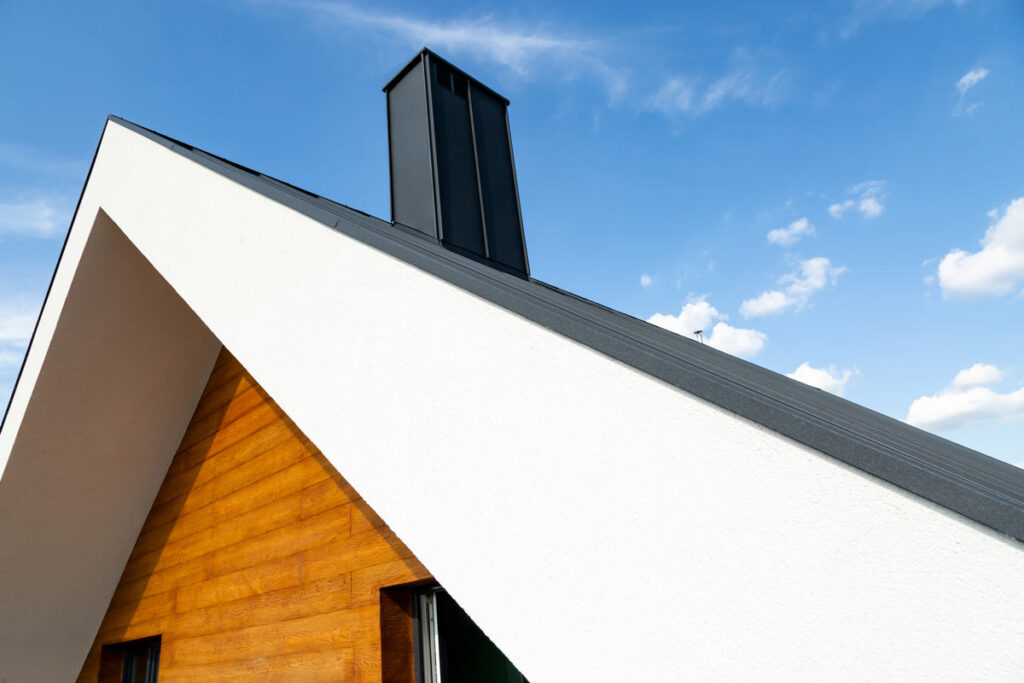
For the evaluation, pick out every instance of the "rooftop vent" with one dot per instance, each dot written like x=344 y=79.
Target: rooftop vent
x=452 y=172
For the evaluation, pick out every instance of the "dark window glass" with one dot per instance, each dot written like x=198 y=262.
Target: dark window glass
x=462 y=652
x=141 y=660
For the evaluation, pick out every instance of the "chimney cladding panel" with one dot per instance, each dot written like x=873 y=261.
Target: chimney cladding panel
x=498 y=181
x=452 y=169
x=461 y=223
x=411 y=162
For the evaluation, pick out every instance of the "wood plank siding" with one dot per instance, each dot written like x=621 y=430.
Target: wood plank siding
x=257 y=561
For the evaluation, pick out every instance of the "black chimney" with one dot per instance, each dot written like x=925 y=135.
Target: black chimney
x=452 y=172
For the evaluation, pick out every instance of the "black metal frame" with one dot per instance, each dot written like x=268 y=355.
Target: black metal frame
x=149 y=648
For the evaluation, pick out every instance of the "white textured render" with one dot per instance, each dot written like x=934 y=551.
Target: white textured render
x=598 y=524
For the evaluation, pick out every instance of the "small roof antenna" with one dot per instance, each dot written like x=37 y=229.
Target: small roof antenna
x=700 y=335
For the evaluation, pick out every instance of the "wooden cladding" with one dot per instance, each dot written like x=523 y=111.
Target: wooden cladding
x=257 y=561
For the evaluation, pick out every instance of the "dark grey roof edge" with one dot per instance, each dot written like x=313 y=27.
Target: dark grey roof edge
x=975 y=485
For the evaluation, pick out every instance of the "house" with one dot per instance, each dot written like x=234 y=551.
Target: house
x=257 y=430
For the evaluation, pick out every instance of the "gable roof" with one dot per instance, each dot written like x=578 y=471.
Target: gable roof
x=966 y=481
x=530 y=412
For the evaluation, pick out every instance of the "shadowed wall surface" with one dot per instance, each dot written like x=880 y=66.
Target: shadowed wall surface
x=257 y=561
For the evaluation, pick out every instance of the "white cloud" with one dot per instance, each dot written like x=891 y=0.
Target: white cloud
x=739 y=341
x=26 y=158
x=865 y=11
x=677 y=95
x=979 y=374
x=997 y=268
x=646 y=280
x=9 y=359
x=969 y=109
x=767 y=303
x=829 y=379
x=37 y=216
x=747 y=82
x=837 y=210
x=17 y=320
x=966 y=82
x=798 y=287
x=523 y=50
x=792 y=233
x=870 y=207
x=698 y=314
x=966 y=401
x=868 y=199
x=971 y=79
x=815 y=273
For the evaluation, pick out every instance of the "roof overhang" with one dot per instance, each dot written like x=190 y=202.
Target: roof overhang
x=110 y=382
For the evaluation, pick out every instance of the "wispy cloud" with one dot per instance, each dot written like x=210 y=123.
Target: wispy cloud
x=748 y=82
x=525 y=51
x=997 y=268
x=868 y=199
x=792 y=233
x=17 y=319
x=969 y=399
x=971 y=79
x=29 y=159
x=9 y=359
x=829 y=379
x=646 y=280
x=545 y=51
x=36 y=215
x=797 y=289
x=866 y=11
x=699 y=319
x=966 y=82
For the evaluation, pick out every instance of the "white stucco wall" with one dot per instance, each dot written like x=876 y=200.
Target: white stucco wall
x=598 y=524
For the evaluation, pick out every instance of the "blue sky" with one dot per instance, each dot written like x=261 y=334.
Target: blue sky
x=830 y=189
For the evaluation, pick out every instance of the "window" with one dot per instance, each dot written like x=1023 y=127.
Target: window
x=452 y=649
x=133 y=662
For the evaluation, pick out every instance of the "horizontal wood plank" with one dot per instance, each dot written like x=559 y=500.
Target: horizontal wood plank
x=331 y=665
x=318 y=597
x=257 y=561
x=254 y=580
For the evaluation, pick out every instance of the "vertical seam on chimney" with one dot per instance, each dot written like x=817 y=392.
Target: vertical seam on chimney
x=476 y=167
x=427 y=78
